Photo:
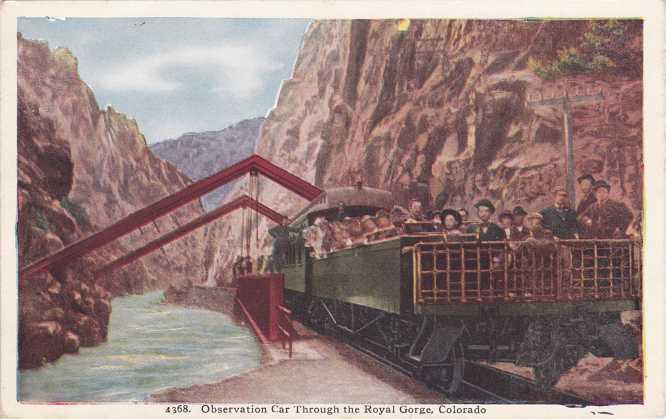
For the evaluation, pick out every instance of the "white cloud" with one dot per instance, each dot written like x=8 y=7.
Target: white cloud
x=235 y=69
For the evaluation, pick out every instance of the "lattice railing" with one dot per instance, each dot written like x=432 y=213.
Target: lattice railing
x=541 y=270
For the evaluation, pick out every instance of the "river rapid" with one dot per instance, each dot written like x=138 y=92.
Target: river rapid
x=151 y=346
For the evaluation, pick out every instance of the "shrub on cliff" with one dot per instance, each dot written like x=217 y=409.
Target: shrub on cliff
x=608 y=47
x=77 y=211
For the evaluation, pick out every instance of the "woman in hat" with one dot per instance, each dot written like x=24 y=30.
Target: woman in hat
x=451 y=221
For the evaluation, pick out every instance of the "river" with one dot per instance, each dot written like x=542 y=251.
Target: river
x=151 y=346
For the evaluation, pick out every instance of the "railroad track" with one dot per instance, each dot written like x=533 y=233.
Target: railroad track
x=487 y=384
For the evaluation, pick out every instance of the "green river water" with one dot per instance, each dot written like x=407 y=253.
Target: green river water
x=151 y=346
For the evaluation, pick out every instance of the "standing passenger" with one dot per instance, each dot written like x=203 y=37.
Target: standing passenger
x=486 y=230
x=606 y=218
x=280 y=234
x=585 y=182
x=560 y=218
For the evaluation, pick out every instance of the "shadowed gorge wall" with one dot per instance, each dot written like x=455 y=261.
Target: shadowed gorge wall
x=439 y=112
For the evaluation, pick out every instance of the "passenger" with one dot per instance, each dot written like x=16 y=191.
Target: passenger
x=506 y=223
x=314 y=238
x=437 y=222
x=280 y=234
x=355 y=231
x=533 y=256
x=416 y=211
x=452 y=221
x=585 y=182
x=536 y=228
x=560 y=218
x=399 y=214
x=520 y=231
x=341 y=237
x=369 y=227
x=385 y=228
x=606 y=218
x=486 y=230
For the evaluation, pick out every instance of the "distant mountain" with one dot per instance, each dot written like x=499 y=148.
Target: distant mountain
x=200 y=154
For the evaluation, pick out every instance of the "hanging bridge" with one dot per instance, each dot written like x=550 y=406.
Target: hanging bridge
x=253 y=165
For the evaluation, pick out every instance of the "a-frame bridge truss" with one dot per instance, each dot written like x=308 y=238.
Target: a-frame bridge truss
x=253 y=164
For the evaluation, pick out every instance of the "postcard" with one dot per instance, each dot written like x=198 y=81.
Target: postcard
x=332 y=209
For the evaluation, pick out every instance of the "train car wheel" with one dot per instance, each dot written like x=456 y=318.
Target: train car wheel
x=451 y=375
x=548 y=373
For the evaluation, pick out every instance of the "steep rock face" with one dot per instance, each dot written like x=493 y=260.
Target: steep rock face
x=200 y=154
x=440 y=112
x=79 y=170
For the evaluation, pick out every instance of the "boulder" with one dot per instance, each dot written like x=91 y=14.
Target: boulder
x=40 y=342
x=72 y=343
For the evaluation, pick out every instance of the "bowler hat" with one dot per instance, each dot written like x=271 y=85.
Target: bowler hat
x=505 y=214
x=454 y=213
x=485 y=203
x=601 y=184
x=586 y=176
x=519 y=211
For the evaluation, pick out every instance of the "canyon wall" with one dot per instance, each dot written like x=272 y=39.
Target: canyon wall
x=80 y=169
x=441 y=111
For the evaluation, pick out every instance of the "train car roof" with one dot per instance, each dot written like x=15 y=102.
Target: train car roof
x=350 y=196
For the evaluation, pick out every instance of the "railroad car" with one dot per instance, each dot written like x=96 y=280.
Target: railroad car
x=426 y=303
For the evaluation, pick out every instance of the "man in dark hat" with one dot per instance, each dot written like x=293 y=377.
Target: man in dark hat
x=585 y=182
x=560 y=218
x=520 y=231
x=606 y=218
x=486 y=230
x=280 y=234
x=506 y=223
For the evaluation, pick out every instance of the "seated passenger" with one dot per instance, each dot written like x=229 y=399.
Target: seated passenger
x=437 y=223
x=385 y=228
x=452 y=221
x=520 y=231
x=506 y=224
x=369 y=227
x=314 y=238
x=540 y=240
x=355 y=230
x=340 y=236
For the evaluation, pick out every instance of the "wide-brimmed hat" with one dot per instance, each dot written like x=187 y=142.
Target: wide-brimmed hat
x=601 y=184
x=485 y=203
x=534 y=215
x=454 y=213
x=519 y=211
x=586 y=176
x=505 y=214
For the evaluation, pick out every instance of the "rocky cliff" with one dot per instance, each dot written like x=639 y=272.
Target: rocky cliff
x=80 y=169
x=439 y=110
x=200 y=154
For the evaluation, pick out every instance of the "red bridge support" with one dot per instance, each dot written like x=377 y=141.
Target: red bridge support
x=260 y=298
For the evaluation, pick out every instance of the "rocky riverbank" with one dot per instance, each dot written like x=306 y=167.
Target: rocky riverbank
x=80 y=169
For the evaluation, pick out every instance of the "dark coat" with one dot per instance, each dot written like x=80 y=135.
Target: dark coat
x=515 y=234
x=585 y=203
x=607 y=218
x=487 y=231
x=519 y=234
x=280 y=235
x=562 y=222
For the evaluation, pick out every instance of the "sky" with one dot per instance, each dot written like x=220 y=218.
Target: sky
x=177 y=75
